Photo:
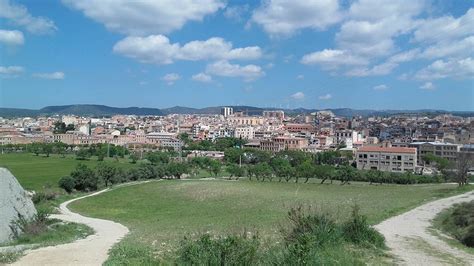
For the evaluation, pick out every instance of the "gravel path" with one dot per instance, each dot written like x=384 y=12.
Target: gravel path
x=410 y=241
x=88 y=251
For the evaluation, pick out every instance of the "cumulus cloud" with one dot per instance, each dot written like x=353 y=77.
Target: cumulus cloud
x=146 y=16
x=284 y=18
x=298 y=96
x=11 y=37
x=236 y=13
x=202 y=77
x=427 y=86
x=226 y=69
x=171 y=78
x=332 y=59
x=53 y=75
x=325 y=97
x=11 y=71
x=300 y=77
x=381 y=87
x=158 y=49
x=454 y=68
x=445 y=28
x=18 y=15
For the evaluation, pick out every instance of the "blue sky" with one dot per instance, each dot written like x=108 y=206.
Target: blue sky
x=379 y=54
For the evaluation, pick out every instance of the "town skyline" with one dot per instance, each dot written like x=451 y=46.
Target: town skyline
x=359 y=54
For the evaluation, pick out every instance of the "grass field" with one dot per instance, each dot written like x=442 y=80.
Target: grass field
x=40 y=172
x=161 y=213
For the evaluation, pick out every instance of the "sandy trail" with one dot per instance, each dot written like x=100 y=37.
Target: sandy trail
x=88 y=251
x=409 y=238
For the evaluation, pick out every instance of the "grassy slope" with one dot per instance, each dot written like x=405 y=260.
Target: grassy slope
x=165 y=211
x=37 y=172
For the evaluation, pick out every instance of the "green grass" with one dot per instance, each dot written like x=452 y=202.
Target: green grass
x=40 y=172
x=161 y=213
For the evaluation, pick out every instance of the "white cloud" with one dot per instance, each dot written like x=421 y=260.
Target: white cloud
x=236 y=12
x=298 y=96
x=11 y=71
x=325 y=97
x=11 y=37
x=284 y=18
x=300 y=77
x=19 y=15
x=146 y=16
x=453 y=68
x=332 y=59
x=202 y=77
x=427 y=86
x=381 y=87
x=456 y=48
x=445 y=28
x=158 y=49
x=226 y=69
x=53 y=75
x=143 y=83
x=386 y=67
x=171 y=78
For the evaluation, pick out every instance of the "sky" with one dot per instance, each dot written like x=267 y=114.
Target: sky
x=363 y=54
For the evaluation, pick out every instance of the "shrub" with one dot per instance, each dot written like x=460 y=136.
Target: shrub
x=67 y=183
x=458 y=221
x=358 y=231
x=84 y=178
x=229 y=250
x=43 y=196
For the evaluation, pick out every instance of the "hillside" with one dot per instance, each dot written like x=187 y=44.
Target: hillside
x=103 y=110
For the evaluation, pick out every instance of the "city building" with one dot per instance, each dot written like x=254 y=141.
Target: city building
x=388 y=159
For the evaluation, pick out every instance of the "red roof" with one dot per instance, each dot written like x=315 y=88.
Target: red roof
x=387 y=149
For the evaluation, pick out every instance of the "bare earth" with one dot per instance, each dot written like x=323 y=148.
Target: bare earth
x=410 y=241
x=88 y=251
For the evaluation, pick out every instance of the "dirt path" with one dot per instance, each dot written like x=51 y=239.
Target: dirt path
x=410 y=241
x=88 y=251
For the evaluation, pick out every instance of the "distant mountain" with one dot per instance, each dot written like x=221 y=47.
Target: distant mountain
x=103 y=110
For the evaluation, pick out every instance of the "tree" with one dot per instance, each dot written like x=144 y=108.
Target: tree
x=233 y=155
x=463 y=163
x=157 y=157
x=346 y=174
x=177 y=170
x=67 y=183
x=35 y=148
x=282 y=168
x=84 y=178
x=133 y=158
x=235 y=170
x=107 y=173
x=47 y=149
x=263 y=170
x=82 y=154
x=324 y=172
x=214 y=167
x=305 y=170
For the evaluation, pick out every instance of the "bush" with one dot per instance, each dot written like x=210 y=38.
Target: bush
x=229 y=250
x=458 y=222
x=358 y=231
x=67 y=183
x=33 y=227
x=43 y=196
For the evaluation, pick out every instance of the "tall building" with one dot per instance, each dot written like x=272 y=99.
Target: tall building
x=390 y=159
x=227 y=111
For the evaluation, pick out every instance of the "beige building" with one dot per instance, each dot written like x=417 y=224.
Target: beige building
x=244 y=132
x=284 y=143
x=389 y=159
x=444 y=150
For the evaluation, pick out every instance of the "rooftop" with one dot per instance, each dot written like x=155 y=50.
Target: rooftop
x=387 y=149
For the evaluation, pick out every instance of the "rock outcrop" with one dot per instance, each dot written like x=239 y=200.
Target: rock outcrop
x=14 y=201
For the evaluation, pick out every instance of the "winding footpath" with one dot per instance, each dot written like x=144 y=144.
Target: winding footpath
x=92 y=250
x=411 y=242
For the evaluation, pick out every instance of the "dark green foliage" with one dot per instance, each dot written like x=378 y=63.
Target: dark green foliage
x=358 y=231
x=459 y=222
x=158 y=157
x=107 y=173
x=229 y=250
x=84 y=178
x=235 y=170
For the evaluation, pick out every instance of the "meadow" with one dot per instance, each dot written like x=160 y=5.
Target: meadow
x=41 y=172
x=161 y=213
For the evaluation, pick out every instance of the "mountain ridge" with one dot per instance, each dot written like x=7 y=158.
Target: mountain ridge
x=104 y=110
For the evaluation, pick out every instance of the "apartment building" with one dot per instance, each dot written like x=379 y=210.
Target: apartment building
x=227 y=111
x=388 y=159
x=444 y=150
x=244 y=132
x=277 y=144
